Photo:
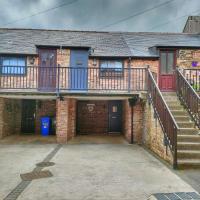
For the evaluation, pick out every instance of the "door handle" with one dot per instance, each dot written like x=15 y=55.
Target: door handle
x=114 y=117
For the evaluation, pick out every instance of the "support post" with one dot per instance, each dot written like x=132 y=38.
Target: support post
x=132 y=102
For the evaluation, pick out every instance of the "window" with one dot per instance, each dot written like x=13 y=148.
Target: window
x=166 y=62
x=111 y=68
x=13 y=65
x=111 y=65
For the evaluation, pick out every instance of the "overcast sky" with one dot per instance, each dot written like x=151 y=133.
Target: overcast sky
x=102 y=15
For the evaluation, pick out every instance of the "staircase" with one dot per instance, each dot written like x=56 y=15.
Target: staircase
x=188 y=139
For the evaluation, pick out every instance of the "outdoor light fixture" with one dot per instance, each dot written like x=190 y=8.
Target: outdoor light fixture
x=61 y=98
x=91 y=51
x=94 y=62
x=132 y=101
x=31 y=60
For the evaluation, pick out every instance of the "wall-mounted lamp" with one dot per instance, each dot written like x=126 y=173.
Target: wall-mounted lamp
x=91 y=51
x=61 y=98
x=31 y=60
x=94 y=62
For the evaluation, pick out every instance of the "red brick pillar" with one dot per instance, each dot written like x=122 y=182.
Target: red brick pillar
x=61 y=120
x=137 y=121
x=65 y=119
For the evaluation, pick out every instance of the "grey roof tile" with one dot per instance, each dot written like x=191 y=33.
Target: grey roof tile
x=116 y=44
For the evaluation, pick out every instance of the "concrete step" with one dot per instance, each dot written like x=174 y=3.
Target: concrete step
x=188 y=138
x=169 y=98
x=175 y=107
x=169 y=94
x=188 y=146
x=173 y=103
x=179 y=112
x=188 y=163
x=186 y=124
x=188 y=154
x=188 y=131
x=182 y=118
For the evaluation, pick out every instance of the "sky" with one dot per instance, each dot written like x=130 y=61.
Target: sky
x=99 y=15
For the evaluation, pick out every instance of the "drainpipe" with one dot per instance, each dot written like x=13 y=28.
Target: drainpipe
x=129 y=74
x=58 y=77
x=132 y=138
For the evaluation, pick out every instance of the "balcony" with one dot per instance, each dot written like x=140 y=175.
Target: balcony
x=36 y=79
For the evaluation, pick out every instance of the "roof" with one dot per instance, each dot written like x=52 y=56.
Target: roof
x=105 y=44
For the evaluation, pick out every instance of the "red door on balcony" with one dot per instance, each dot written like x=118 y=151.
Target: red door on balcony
x=167 y=81
x=47 y=70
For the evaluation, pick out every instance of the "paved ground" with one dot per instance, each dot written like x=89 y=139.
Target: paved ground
x=191 y=176
x=87 y=172
x=28 y=139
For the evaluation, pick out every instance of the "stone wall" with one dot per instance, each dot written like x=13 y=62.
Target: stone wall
x=10 y=117
x=153 y=136
x=188 y=58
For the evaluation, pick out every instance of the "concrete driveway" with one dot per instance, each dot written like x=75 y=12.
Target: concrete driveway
x=86 y=172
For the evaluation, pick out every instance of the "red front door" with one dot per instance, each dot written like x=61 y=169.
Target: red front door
x=167 y=80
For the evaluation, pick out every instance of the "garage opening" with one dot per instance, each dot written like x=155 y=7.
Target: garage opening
x=99 y=117
x=33 y=111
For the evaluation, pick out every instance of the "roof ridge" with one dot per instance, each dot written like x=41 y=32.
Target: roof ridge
x=95 y=31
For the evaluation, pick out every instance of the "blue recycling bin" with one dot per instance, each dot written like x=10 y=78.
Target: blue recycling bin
x=45 y=126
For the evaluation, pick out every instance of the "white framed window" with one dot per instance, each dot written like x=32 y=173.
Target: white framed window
x=13 y=65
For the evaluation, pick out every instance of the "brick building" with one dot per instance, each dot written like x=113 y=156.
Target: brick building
x=94 y=83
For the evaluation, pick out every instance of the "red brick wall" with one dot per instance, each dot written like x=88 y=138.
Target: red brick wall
x=65 y=119
x=71 y=118
x=95 y=121
x=137 y=121
x=152 y=63
x=10 y=117
x=44 y=108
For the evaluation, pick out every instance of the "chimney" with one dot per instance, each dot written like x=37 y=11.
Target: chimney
x=192 y=25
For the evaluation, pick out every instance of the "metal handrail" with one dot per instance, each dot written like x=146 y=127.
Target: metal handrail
x=188 y=84
x=150 y=73
x=170 y=128
x=69 y=78
x=188 y=96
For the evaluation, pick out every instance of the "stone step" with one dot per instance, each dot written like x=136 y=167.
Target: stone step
x=188 y=138
x=188 y=163
x=188 y=131
x=186 y=124
x=188 y=146
x=188 y=154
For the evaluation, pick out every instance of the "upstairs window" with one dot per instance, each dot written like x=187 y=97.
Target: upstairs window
x=13 y=65
x=111 y=65
x=167 y=62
